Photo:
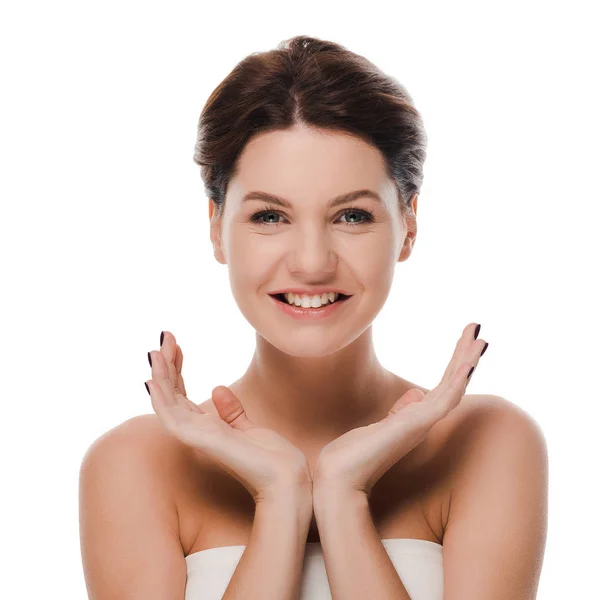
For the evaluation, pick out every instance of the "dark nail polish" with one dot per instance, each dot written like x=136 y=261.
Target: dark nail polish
x=162 y=337
x=147 y=388
x=471 y=371
x=477 y=331
x=484 y=349
x=149 y=359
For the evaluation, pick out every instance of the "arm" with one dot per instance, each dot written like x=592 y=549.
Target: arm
x=356 y=561
x=494 y=540
x=271 y=565
x=496 y=532
x=128 y=525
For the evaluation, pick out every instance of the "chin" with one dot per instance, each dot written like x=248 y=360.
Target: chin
x=311 y=348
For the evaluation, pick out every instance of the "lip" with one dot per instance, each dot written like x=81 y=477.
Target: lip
x=297 y=312
x=312 y=292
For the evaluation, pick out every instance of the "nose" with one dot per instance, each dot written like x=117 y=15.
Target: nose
x=312 y=254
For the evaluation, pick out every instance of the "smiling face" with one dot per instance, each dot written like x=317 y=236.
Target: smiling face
x=311 y=243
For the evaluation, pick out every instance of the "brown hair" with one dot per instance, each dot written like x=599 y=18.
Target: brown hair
x=319 y=84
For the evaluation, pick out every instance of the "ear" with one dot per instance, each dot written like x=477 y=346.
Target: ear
x=411 y=229
x=215 y=232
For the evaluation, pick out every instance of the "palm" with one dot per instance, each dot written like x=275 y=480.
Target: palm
x=236 y=436
x=360 y=457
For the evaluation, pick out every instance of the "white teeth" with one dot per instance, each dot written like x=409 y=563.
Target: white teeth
x=311 y=301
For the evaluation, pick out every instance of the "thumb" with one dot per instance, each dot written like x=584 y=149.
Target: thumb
x=413 y=395
x=230 y=409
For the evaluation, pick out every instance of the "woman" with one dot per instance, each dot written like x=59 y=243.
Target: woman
x=318 y=473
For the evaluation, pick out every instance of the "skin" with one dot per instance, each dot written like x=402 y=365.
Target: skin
x=312 y=382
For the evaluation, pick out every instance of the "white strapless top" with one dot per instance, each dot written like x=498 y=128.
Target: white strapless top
x=417 y=562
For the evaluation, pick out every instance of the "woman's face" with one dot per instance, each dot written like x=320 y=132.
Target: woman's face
x=310 y=243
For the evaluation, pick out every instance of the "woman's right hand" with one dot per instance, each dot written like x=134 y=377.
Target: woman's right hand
x=263 y=461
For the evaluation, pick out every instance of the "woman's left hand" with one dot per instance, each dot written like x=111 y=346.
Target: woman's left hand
x=357 y=459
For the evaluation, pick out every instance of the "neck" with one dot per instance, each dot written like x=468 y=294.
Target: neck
x=312 y=401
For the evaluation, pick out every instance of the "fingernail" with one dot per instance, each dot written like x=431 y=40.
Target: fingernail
x=147 y=388
x=484 y=349
x=162 y=337
x=149 y=358
x=477 y=331
x=471 y=371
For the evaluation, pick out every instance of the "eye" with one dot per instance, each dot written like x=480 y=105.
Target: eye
x=256 y=216
x=366 y=215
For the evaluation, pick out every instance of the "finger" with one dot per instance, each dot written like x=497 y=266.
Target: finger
x=159 y=365
x=160 y=405
x=174 y=358
x=467 y=349
x=161 y=375
x=230 y=408
x=171 y=410
x=178 y=367
x=453 y=391
x=458 y=356
x=473 y=352
x=168 y=350
x=412 y=395
x=177 y=399
x=161 y=402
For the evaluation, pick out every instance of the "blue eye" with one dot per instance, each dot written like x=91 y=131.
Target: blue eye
x=367 y=215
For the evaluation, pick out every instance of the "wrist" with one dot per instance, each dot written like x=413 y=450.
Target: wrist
x=293 y=498
x=331 y=492
x=338 y=503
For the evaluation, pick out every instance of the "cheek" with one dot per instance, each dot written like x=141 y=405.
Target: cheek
x=375 y=266
x=250 y=262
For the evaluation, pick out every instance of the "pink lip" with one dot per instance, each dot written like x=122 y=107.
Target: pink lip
x=298 y=312
x=313 y=292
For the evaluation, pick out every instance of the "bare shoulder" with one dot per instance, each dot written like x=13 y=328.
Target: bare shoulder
x=476 y=442
x=483 y=414
x=498 y=506
x=128 y=517
x=484 y=431
x=146 y=438
x=179 y=464
x=141 y=430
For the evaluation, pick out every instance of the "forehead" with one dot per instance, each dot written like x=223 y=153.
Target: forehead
x=301 y=162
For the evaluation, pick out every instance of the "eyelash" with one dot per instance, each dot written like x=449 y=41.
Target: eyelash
x=254 y=217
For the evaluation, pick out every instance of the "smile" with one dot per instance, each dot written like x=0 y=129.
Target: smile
x=304 y=312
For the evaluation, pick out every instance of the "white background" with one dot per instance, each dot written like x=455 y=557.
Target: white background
x=104 y=234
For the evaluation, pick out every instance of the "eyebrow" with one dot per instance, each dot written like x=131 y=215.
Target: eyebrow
x=341 y=199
